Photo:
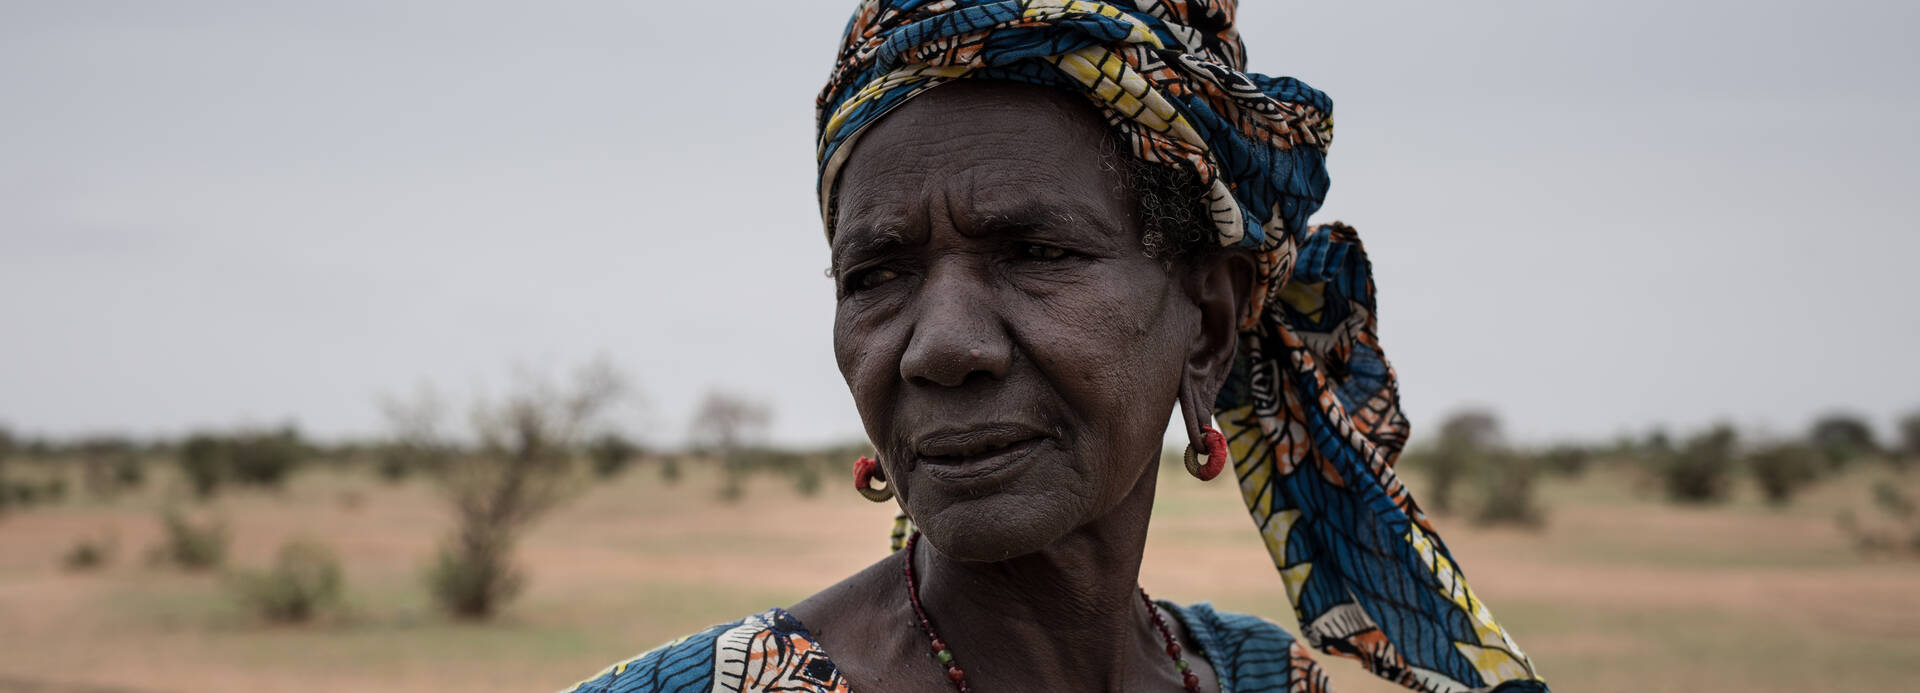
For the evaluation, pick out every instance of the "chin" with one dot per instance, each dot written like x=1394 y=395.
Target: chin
x=997 y=527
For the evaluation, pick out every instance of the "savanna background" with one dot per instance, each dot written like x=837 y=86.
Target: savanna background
x=426 y=345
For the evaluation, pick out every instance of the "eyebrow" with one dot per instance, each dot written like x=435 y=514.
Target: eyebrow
x=1032 y=215
x=867 y=241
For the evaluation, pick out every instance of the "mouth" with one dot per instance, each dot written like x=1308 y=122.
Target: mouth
x=977 y=452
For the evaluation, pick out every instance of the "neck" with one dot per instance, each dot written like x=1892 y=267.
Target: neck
x=1067 y=617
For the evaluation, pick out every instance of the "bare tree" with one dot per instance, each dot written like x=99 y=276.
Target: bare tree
x=419 y=440
x=725 y=422
x=722 y=426
x=520 y=468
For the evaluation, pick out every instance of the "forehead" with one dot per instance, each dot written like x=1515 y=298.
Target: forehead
x=980 y=149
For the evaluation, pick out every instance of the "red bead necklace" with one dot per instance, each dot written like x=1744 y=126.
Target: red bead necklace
x=958 y=676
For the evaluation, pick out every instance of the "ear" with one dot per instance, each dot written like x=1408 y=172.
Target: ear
x=1219 y=286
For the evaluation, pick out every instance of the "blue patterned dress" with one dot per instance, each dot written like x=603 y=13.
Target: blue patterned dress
x=772 y=651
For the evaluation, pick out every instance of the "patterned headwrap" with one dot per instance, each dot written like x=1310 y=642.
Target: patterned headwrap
x=1311 y=409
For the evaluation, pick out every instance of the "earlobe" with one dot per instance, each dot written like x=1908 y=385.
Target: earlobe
x=1219 y=287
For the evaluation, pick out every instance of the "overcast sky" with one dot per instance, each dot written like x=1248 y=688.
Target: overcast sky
x=1590 y=216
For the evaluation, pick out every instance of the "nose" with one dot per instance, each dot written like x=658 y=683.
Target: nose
x=957 y=333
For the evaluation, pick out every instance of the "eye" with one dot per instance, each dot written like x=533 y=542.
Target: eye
x=872 y=278
x=1036 y=251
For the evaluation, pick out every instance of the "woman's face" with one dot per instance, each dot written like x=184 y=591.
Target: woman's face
x=1013 y=352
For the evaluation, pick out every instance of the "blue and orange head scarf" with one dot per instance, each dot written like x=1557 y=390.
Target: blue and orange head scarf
x=1312 y=410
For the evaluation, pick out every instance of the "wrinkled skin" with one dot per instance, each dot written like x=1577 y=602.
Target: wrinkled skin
x=1014 y=355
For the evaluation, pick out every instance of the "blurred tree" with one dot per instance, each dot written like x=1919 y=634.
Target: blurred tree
x=1701 y=470
x=724 y=423
x=266 y=458
x=1783 y=469
x=1658 y=442
x=1473 y=428
x=1507 y=489
x=7 y=445
x=520 y=471
x=722 y=426
x=105 y=461
x=1566 y=459
x=418 y=443
x=1909 y=440
x=1841 y=437
x=611 y=453
x=203 y=461
x=1467 y=438
x=806 y=478
x=256 y=458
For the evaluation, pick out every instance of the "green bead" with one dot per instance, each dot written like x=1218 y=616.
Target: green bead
x=1183 y=665
x=943 y=656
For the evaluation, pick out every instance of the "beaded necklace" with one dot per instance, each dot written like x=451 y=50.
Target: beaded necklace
x=958 y=676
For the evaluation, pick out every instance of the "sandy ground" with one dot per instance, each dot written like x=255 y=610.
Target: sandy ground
x=1619 y=592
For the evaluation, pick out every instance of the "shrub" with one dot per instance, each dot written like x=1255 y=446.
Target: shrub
x=473 y=581
x=203 y=460
x=391 y=465
x=55 y=490
x=1784 y=469
x=1894 y=502
x=27 y=492
x=806 y=479
x=400 y=460
x=16 y=494
x=733 y=487
x=265 y=459
x=304 y=580
x=107 y=474
x=1700 y=471
x=190 y=546
x=1841 y=438
x=610 y=454
x=88 y=554
x=129 y=472
x=1506 y=490
x=1566 y=460
x=1900 y=530
x=1909 y=440
x=259 y=458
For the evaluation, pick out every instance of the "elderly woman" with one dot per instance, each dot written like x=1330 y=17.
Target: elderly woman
x=1051 y=223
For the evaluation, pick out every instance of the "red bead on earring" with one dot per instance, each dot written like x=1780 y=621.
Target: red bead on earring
x=1216 y=455
x=865 y=470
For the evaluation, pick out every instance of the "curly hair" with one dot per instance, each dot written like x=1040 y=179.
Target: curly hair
x=1170 y=202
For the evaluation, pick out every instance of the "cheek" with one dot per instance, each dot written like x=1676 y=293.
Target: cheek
x=1114 y=351
x=867 y=349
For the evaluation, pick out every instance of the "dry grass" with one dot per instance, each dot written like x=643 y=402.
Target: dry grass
x=1618 y=593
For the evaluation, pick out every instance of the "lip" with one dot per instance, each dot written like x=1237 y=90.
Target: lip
x=976 y=453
